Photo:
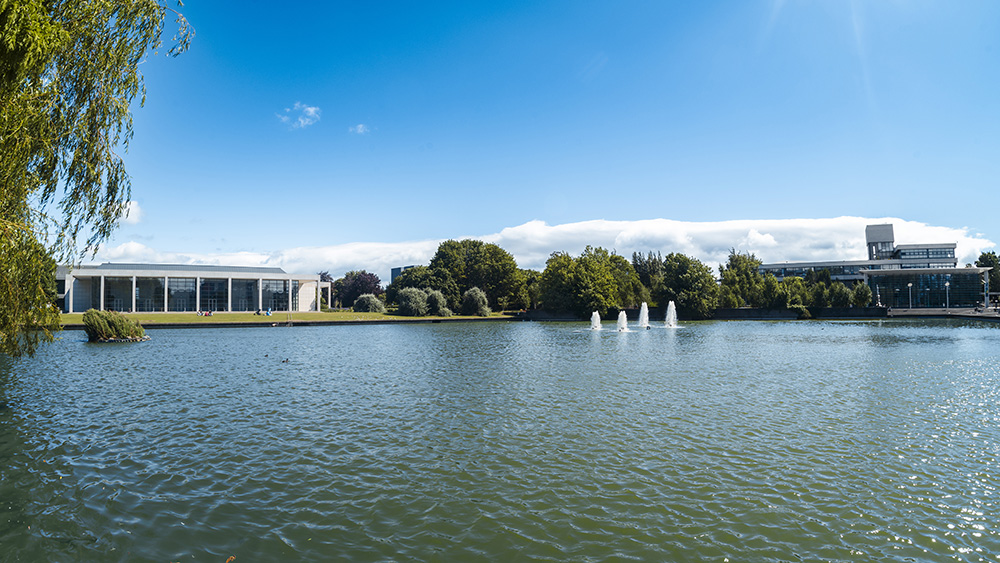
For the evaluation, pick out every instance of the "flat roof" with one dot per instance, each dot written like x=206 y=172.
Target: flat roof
x=113 y=269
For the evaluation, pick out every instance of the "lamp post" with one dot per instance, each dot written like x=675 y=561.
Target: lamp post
x=947 y=295
x=909 y=286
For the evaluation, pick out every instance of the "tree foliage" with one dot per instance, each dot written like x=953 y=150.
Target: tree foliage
x=355 y=284
x=840 y=295
x=110 y=325
x=422 y=277
x=68 y=76
x=990 y=260
x=742 y=285
x=594 y=281
x=368 y=303
x=412 y=302
x=437 y=304
x=687 y=282
x=474 y=263
x=861 y=295
x=475 y=302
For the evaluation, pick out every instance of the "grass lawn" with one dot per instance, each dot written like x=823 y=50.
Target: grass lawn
x=148 y=319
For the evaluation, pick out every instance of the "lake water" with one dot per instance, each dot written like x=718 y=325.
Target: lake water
x=746 y=441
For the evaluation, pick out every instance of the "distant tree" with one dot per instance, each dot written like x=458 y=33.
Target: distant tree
x=325 y=276
x=532 y=289
x=990 y=260
x=474 y=263
x=742 y=284
x=861 y=295
x=355 y=284
x=774 y=295
x=650 y=268
x=798 y=291
x=840 y=296
x=437 y=303
x=422 y=277
x=412 y=302
x=474 y=302
x=597 y=280
x=819 y=295
x=368 y=303
x=819 y=276
x=558 y=283
x=687 y=282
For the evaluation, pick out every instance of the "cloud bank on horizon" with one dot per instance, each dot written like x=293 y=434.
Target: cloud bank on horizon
x=778 y=240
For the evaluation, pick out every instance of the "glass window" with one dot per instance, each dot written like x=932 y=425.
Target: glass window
x=149 y=294
x=181 y=294
x=275 y=295
x=117 y=294
x=214 y=294
x=245 y=295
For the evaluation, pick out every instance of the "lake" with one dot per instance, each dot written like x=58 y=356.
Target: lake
x=716 y=441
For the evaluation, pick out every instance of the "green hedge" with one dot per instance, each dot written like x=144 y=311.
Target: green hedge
x=110 y=325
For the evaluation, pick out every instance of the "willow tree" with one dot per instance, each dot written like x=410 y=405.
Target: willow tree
x=68 y=76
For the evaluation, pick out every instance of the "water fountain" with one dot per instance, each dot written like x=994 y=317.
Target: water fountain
x=622 y=322
x=644 y=316
x=595 y=321
x=671 y=320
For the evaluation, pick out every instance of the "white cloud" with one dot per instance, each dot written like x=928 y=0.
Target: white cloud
x=360 y=129
x=840 y=238
x=133 y=213
x=300 y=115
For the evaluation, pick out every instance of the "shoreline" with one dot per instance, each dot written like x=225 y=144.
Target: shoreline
x=764 y=315
x=146 y=324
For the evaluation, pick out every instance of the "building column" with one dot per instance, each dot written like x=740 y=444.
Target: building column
x=229 y=296
x=289 y=282
x=69 y=293
x=102 y=292
x=197 y=293
x=260 y=294
x=166 y=293
x=133 y=295
x=317 y=296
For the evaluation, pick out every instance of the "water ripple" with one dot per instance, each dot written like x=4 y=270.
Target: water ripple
x=747 y=441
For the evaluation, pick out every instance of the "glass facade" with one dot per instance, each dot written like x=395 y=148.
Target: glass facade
x=926 y=290
x=117 y=294
x=275 y=295
x=158 y=293
x=214 y=294
x=181 y=294
x=148 y=294
x=915 y=253
x=245 y=295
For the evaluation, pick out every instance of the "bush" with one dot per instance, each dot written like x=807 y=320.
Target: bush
x=861 y=296
x=109 y=325
x=802 y=311
x=368 y=303
x=840 y=296
x=437 y=303
x=474 y=302
x=412 y=302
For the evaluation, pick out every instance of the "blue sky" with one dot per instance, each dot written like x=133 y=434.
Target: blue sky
x=325 y=135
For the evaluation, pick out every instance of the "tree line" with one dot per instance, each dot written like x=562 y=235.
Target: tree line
x=596 y=280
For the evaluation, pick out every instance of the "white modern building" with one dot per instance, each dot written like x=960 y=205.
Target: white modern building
x=883 y=254
x=179 y=288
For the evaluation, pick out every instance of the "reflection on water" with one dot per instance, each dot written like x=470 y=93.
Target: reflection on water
x=742 y=440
